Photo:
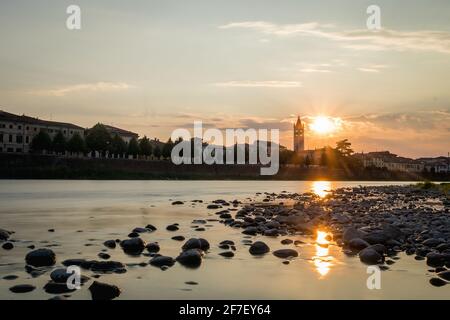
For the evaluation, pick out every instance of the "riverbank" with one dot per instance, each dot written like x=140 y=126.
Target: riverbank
x=310 y=241
x=52 y=167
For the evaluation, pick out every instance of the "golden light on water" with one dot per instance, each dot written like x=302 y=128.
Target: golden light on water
x=322 y=260
x=321 y=188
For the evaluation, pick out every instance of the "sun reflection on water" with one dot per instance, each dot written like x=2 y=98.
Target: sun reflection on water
x=322 y=260
x=321 y=188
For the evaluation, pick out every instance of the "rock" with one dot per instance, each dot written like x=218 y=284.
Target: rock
x=177 y=203
x=133 y=246
x=172 y=227
x=41 y=258
x=351 y=233
x=178 y=238
x=271 y=233
x=285 y=253
x=444 y=275
x=435 y=259
x=51 y=230
x=437 y=282
x=228 y=242
x=258 y=248
x=432 y=242
x=161 y=261
x=140 y=230
x=7 y=246
x=22 y=288
x=286 y=241
x=225 y=216
x=191 y=258
x=53 y=287
x=213 y=206
x=150 y=227
x=227 y=254
x=103 y=291
x=224 y=246
x=195 y=243
x=357 y=244
x=370 y=256
x=104 y=266
x=250 y=231
x=133 y=235
x=104 y=255
x=4 y=234
x=74 y=262
x=10 y=277
x=152 y=247
x=110 y=244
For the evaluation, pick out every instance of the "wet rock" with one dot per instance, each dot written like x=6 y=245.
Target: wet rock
x=370 y=256
x=140 y=230
x=10 y=277
x=437 y=282
x=110 y=244
x=227 y=254
x=177 y=203
x=357 y=244
x=104 y=255
x=271 y=233
x=74 y=262
x=432 y=242
x=133 y=235
x=152 y=247
x=259 y=248
x=381 y=249
x=178 y=238
x=195 y=243
x=53 y=287
x=285 y=253
x=286 y=241
x=435 y=259
x=351 y=233
x=225 y=216
x=250 y=231
x=191 y=258
x=133 y=246
x=224 y=246
x=162 y=261
x=22 y=288
x=228 y=242
x=104 y=266
x=444 y=275
x=4 y=234
x=150 y=227
x=172 y=227
x=104 y=291
x=213 y=206
x=41 y=258
x=7 y=246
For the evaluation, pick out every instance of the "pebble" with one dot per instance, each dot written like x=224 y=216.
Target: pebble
x=259 y=248
x=285 y=253
x=22 y=288
x=104 y=291
x=41 y=258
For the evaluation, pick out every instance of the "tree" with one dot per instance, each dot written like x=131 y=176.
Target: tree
x=167 y=148
x=59 y=144
x=118 y=146
x=324 y=158
x=76 y=144
x=41 y=142
x=145 y=146
x=308 y=161
x=133 y=147
x=157 y=152
x=98 y=138
x=344 y=148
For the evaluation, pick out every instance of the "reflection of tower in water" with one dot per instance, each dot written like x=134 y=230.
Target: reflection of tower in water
x=322 y=260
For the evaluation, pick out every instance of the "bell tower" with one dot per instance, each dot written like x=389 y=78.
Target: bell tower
x=299 y=136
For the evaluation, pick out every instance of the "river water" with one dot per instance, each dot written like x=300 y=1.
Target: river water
x=86 y=213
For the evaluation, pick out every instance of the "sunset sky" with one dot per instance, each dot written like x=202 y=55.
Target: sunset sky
x=153 y=66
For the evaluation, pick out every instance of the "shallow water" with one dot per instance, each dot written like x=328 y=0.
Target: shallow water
x=86 y=213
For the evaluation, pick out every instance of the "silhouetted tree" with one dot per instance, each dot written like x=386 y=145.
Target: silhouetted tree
x=118 y=146
x=344 y=148
x=76 y=144
x=145 y=146
x=133 y=147
x=59 y=144
x=41 y=142
x=157 y=152
x=98 y=138
x=167 y=148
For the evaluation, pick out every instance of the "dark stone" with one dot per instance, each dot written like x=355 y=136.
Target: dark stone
x=213 y=206
x=435 y=259
x=110 y=244
x=133 y=246
x=191 y=258
x=53 y=287
x=172 y=227
x=133 y=235
x=74 y=262
x=41 y=258
x=444 y=275
x=370 y=256
x=432 y=242
x=177 y=203
x=178 y=238
x=51 y=230
x=103 y=291
x=250 y=231
x=105 y=266
x=225 y=216
x=104 y=255
x=437 y=282
x=229 y=242
x=22 y=288
x=161 y=261
x=10 y=277
x=4 y=234
x=7 y=246
x=357 y=244
x=271 y=233
x=285 y=253
x=351 y=233
x=286 y=241
x=195 y=243
x=152 y=247
x=227 y=254
x=150 y=227
x=258 y=248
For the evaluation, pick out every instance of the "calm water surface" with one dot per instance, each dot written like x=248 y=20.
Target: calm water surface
x=86 y=213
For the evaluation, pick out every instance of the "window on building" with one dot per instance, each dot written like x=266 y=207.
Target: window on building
x=20 y=127
x=1 y=137
x=19 y=139
x=64 y=131
x=27 y=139
x=35 y=129
x=51 y=130
x=28 y=128
x=10 y=138
x=10 y=126
x=19 y=150
x=10 y=150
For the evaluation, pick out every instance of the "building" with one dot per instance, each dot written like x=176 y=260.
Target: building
x=299 y=136
x=17 y=132
x=390 y=161
x=436 y=165
x=124 y=134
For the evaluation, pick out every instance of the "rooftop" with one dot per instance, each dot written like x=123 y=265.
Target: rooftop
x=6 y=116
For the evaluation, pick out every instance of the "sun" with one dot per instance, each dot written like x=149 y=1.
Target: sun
x=324 y=125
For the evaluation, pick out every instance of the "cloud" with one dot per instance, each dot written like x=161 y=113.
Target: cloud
x=260 y=84
x=92 y=87
x=315 y=67
x=358 y=39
